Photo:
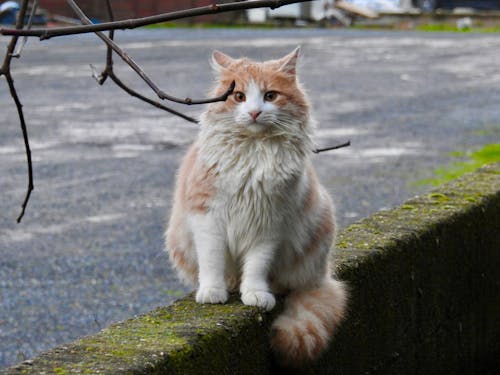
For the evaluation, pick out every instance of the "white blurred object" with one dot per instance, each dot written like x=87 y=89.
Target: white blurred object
x=9 y=5
x=464 y=23
x=323 y=9
x=378 y=5
x=258 y=15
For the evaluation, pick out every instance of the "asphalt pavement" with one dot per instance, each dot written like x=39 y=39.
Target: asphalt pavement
x=89 y=250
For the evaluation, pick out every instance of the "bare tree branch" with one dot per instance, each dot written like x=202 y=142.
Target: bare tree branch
x=5 y=68
x=125 y=57
x=108 y=69
x=5 y=71
x=109 y=72
x=345 y=144
x=131 y=92
x=45 y=33
x=34 y=7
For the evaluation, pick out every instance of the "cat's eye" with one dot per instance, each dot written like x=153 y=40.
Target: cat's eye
x=239 y=96
x=270 y=96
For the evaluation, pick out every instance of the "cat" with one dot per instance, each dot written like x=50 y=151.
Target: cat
x=248 y=209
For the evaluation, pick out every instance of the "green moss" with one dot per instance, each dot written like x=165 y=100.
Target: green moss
x=398 y=227
x=174 y=293
x=439 y=197
x=488 y=131
x=457 y=154
x=408 y=207
x=444 y=27
x=472 y=198
x=488 y=154
x=165 y=338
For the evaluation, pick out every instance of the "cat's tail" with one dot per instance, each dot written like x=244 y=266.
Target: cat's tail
x=304 y=329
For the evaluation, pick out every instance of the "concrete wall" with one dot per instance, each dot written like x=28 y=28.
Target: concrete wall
x=425 y=286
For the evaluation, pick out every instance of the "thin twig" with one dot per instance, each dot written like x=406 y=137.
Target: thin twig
x=109 y=72
x=345 y=144
x=24 y=130
x=101 y=78
x=162 y=95
x=131 y=92
x=45 y=33
x=5 y=71
x=19 y=50
x=109 y=51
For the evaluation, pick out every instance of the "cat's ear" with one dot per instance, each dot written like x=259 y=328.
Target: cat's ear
x=288 y=64
x=220 y=61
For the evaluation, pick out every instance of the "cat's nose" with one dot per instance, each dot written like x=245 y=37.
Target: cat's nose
x=254 y=114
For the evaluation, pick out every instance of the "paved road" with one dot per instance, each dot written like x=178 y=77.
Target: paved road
x=89 y=251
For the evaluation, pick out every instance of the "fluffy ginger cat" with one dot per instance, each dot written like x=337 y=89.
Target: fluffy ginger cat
x=249 y=212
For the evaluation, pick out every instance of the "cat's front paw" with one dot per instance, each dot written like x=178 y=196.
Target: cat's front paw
x=259 y=298
x=211 y=295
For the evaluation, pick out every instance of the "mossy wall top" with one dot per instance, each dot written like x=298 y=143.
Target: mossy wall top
x=424 y=280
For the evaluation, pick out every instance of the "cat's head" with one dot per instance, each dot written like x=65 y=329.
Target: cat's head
x=267 y=96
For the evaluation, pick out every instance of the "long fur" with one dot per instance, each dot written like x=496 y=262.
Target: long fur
x=249 y=212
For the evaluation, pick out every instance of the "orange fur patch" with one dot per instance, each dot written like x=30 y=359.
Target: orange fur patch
x=325 y=227
x=196 y=183
x=322 y=313
x=177 y=251
x=298 y=343
x=311 y=199
x=194 y=191
x=181 y=262
x=319 y=342
x=300 y=347
x=281 y=341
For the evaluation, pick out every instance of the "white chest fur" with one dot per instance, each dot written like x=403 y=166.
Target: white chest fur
x=257 y=184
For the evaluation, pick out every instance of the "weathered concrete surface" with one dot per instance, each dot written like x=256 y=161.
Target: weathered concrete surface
x=425 y=284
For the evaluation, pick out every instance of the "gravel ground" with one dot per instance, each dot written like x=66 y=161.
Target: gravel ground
x=89 y=251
